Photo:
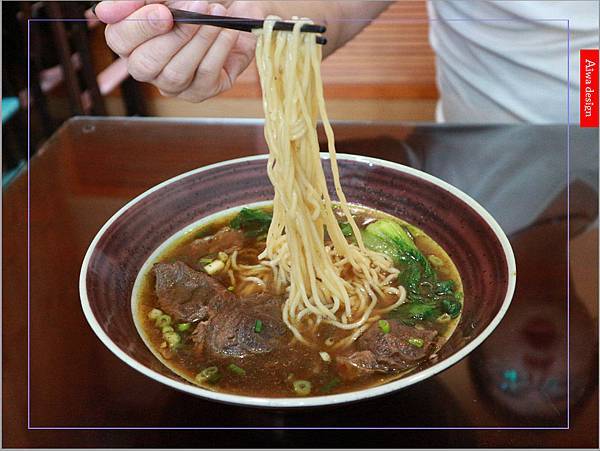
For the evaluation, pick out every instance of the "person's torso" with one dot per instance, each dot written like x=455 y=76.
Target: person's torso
x=506 y=61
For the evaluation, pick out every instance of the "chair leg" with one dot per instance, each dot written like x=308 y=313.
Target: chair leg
x=64 y=53
x=135 y=103
x=87 y=67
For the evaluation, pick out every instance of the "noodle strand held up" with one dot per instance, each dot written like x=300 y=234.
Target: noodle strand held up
x=309 y=269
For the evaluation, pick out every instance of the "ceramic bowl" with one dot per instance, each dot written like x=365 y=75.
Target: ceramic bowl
x=467 y=232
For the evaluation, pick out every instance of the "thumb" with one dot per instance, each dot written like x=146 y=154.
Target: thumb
x=144 y=24
x=115 y=11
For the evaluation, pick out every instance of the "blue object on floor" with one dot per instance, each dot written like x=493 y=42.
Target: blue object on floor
x=10 y=105
x=9 y=175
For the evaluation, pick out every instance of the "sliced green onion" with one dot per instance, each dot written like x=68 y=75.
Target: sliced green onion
x=236 y=369
x=183 y=327
x=205 y=261
x=214 y=267
x=384 y=326
x=302 y=388
x=258 y=326
x=330 y=385
x=210 y=375
x=162 y=321
x=222 y=256
x=172 y=338
x=416 y=342
x=204 y=232
x=166 y=329
x=231 y=288
x=154 y=313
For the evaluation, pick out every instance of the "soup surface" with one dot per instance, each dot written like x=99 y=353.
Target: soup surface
x=213 y=316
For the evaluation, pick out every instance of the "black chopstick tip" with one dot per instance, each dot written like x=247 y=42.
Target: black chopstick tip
x=321 y=40
x=310 y=28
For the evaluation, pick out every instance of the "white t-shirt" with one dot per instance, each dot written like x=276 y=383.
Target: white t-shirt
x=497 y=62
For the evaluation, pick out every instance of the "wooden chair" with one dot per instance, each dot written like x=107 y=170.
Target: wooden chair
x=61 y=64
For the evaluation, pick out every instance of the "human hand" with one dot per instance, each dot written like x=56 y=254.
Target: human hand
x=186 y=61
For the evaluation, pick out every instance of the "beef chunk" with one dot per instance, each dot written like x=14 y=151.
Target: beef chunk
x=224 y=240
x=381 y=352
x=393 y=349
x=230 y=332
x=188 y=295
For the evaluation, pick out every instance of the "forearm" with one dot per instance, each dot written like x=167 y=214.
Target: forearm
x=336 y=15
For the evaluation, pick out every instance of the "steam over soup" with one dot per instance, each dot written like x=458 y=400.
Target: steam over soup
x=212 y=310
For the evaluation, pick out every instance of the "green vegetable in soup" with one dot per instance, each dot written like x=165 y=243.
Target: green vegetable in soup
x=417 y=311
x=252 y=221
x=210 y=375
x=416 y=342
x=410 y=278
x=182 y=327
x=451 y=307
x=205 y=261
x=236 y=370
x=427 y=297
x=390 y=238
x=162 y=321
x=444 y=287
x=384 y=326
x=206 y=231
x=346 y=229
x=302 y=388
x=172 y=338
x=154 y=313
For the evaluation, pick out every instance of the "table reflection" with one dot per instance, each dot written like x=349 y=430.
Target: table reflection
x=519 y=175
x=515 y=378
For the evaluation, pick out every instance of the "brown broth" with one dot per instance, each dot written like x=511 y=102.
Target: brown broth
x=272 y=374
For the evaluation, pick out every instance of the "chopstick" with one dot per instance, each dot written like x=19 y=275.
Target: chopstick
x=237 y=23
x=242 y=23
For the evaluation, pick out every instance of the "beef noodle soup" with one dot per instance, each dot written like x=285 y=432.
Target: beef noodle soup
x=311 y=296
x=211 y=311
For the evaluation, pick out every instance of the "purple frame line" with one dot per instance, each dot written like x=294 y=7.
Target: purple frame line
x=28 y=225
x=568 y=237
x=568 y=153
x=302 y=428
x=407 y=19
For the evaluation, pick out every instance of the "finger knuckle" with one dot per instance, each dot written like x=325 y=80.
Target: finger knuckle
x=143 y=66
x=114 y=40
x=205 y=74
x=151 y=28
x=175 y=79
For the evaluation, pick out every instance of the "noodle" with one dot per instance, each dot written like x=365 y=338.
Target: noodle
x=339 y=284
